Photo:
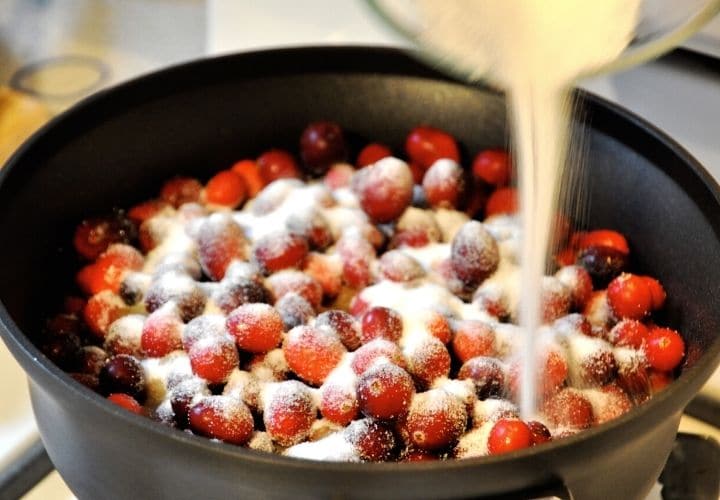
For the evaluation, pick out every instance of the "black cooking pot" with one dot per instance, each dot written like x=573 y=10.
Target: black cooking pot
x=117 y=147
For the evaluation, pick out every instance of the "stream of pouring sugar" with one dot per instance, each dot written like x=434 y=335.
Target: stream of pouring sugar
x=535 y=50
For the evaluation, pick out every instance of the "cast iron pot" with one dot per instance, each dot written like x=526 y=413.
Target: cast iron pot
x=116 y=148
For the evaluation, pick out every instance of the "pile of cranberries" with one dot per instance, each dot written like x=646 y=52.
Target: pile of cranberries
x=265 y=308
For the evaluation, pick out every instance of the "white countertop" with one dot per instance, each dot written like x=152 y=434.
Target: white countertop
x=135 y=36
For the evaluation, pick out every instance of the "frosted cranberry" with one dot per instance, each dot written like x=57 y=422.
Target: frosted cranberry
x=629 y=333
x=416 y=228
x=473 y=338
x=338 y=403
x=143 y=211
x=288 y=281
x=427 y=359
x=603 y=264
x=614 y=404
x=377 y=351
x=312 y=352
x=280 y=250
x=161 y=334
x=664 y=349
x=345 y=326
x=555 y=371
x=598 y=368
x=569 y=408
x=63 y=349
x=312 y=226
x=289 y=412
x=178 y=288
x=108 y=271
x=659 y=380
x=509 y=435
x=220 y=241
x=250 y=173
x=425 y=145
x=223 y=418
x=597 y=311
x=213 y=358
x=603 y=238
x=277 y=164
x=207 y=325
x=539 y=432
x=444 y=184
x=384 y=189
x=294 y=310
x=92 y=359
x=358 y=306
x=437 y=325
x=629 y=297
x=256 y=327
x=435 y=420
x=555 y=299
x=372 y=153
x=492 y=299
x=373 y=441
x=126 y=401
x=321 y=145
x=417 y=455
x=385 y=391
x=578 y=281
x=474 y=253
x=236 y=292
x=502 y=201
x=93 y=236
x=101 y=310
x=381 y=322
x=356 y=254
x=492 y=166
x=327 y=271
x=573 y=324
x=487 y=375
x=656 y=291
x=398 y=266
x=123 y=373
x=226 y=188
x=124 y=336
x=339 y=176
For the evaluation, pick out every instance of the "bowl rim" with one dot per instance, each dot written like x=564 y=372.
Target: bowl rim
x=401 y=62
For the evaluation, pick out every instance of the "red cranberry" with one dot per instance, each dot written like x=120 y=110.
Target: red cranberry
x=603 y=238
x=327 y=271
x=425 y=145
x=509 y=435
x=312 y=226
x=381 y=322
x=487 y=375
x=291 y=281
x=436 y=420
x=373 y=441
x=280 y=250
x=396 y=265
x=126 y=401
x=540 y=434
x=629 y=297
x=256 y=327
x=372 y=153
x=473 y=338
x=289 y=413
x=93 y=236
x=427 y=360
x=206 y=325
x=213 y=358
x=502 y=201
x=321 y=145
x=385 y=391
x=101 y=310
x=181 y=190
x=656 y=291
x=312 y=353
x=239 y=291
x=339 y=176
x=339 y=403
x=345 y=326
x=384 y=189
x=578 y=281
x=474 y=253
x=569 y=408
x=417 y=455
x=250 y=173
x=602 y=263
x=492 y=166
x=664 y=349
x=294 y=310
x=223 y=418
x=179 y=288
x=437 y=325
x=123 y=373
x=143 y=211
x=161 y=334
x=628 y=333
x=444 y=184
x=226 y=188
x=277 y=164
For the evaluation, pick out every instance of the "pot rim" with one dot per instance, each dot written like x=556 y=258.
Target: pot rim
x=38 y=366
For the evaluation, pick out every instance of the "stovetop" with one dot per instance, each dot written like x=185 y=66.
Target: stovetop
x=125 y=39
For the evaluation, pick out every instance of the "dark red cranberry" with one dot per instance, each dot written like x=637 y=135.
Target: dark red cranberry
x=64 y=350
x=344 y=325
x=177 y=287
x=294 y=310
x=181 y=403
x=93 y=236
x=321 y=145
x=603 y=263
x=487 y=374
x=240 y=291
x=123 y=373
x=540 y=433
x=373 y=441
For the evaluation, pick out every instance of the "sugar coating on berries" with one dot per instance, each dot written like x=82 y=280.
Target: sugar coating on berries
x=288 y=412
x=345 y=326
x=396 y=265
x=435 y=420
x=385 y=391
x=373 y=441
x=220 y=241
x=280 y=250
x=377 y=351
x=384 y=189
x=303 y=284
x=256 y=327
x=474 y=253
x=223 y=418
x=381 y=322
x=427 y=359
x=444 y=184
x=312 y=352
x=487 y=375
x=629 y=297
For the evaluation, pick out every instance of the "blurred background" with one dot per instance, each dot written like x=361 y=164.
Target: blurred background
x=53 y=53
